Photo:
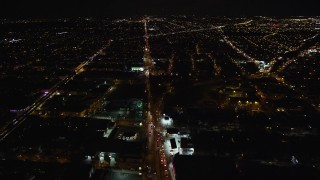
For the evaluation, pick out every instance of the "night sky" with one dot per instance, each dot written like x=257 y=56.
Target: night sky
x=104 y=8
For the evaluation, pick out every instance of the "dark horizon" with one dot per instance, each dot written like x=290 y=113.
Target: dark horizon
x=111 y=8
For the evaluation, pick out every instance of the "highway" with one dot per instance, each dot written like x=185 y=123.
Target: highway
x=150 y=158
x=18 y=121
x=152 y=127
